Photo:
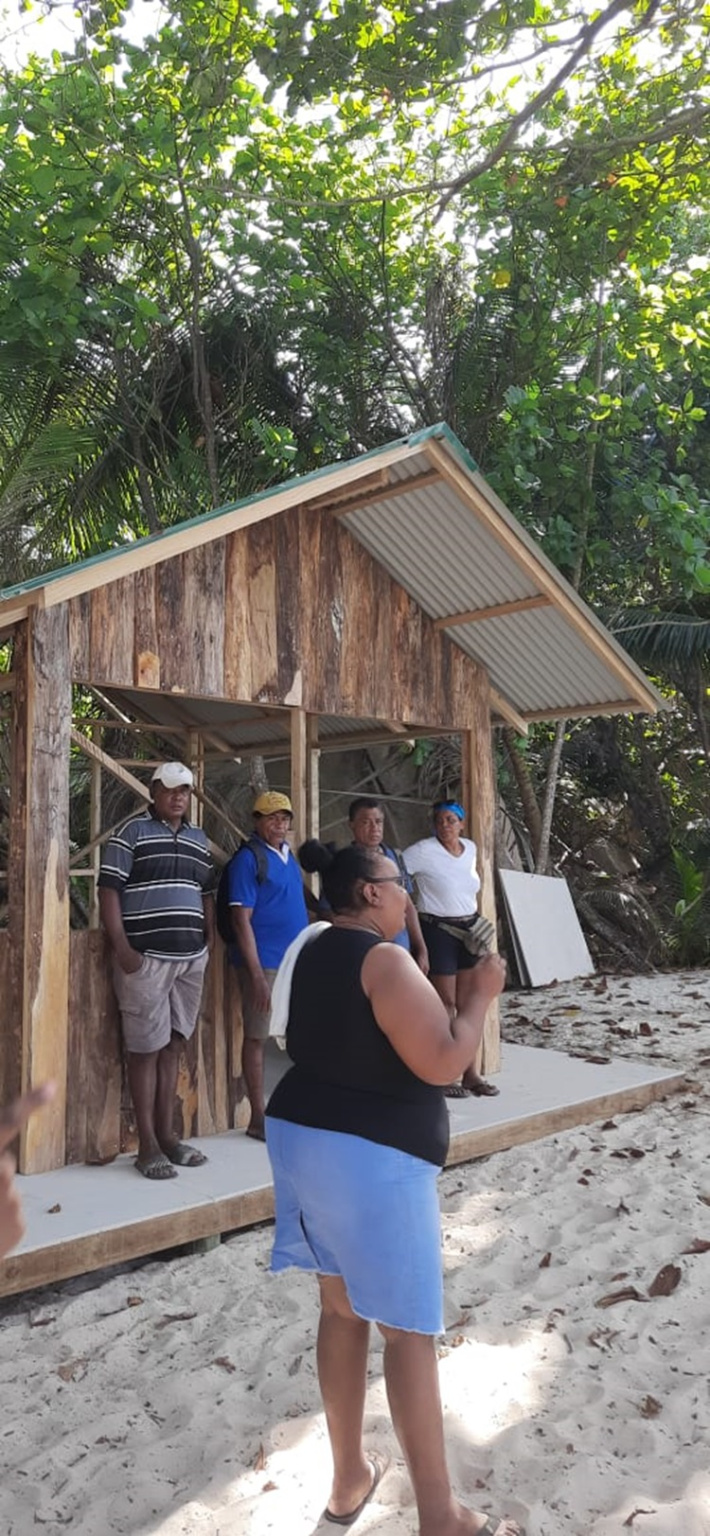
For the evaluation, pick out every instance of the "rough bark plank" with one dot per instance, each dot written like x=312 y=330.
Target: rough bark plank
x=112 y=623
x=289 y=614
x=80 y=637
x=204 y=619
x=146 y=640
x=45 y=977
x=261 y=599
x=11 y=1056
x=212 y=1095
x=237 y=646
x=95 y=1053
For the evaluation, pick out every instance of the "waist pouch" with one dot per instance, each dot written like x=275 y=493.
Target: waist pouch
x=475 y=933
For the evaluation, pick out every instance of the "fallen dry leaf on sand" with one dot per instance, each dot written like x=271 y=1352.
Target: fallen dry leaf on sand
x=175 y=1317
x=666 y=1281
x=73 y=1370
x=629 y=1293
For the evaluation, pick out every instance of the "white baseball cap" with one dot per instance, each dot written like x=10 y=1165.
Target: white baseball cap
x=173 y=776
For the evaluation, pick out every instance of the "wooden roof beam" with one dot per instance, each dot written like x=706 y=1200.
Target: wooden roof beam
x=495 y=611
x=501 y=706
x=386 y=492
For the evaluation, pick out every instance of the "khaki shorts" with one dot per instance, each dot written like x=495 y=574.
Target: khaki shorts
x=256 y=1025
x=162 y=997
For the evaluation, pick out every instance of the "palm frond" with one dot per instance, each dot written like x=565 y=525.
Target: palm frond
x=665 y=640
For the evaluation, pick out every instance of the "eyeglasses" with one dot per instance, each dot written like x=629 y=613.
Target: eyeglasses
x=387 y=880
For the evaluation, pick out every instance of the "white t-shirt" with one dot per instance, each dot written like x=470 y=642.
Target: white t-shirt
x=446 y=886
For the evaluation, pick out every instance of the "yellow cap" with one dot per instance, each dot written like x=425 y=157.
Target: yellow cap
x=270 y=801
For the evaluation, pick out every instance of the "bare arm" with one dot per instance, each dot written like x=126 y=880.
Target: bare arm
x=128 y=958
x=416 y=937
x=412 y=1016
x=12 y=1119
x=208 y=911
x=244 y=937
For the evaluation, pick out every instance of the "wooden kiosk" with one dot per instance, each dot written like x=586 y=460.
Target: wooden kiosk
x=393 y=594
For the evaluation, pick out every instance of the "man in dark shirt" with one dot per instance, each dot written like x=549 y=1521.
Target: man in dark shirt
x=157 y=906
x=367 y=825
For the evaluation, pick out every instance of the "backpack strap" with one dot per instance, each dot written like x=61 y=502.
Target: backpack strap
x=256 y=846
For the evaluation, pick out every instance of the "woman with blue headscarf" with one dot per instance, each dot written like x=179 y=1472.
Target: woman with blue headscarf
x=447 y=886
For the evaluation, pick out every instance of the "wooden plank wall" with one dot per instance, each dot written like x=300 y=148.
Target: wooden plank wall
x=291 y=610
x=9 y=1053
x=99 y=1122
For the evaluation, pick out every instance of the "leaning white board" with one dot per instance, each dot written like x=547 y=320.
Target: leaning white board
x=546 y=928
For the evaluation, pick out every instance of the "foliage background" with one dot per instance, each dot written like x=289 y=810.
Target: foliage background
x=255 y=239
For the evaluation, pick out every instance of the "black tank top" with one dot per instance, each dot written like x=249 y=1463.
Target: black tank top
x=345 y=1074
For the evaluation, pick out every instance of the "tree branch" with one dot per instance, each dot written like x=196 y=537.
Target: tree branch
x=518 y=121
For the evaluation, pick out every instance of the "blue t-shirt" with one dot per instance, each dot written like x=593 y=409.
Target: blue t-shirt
x=278 y=904
x=401 y=938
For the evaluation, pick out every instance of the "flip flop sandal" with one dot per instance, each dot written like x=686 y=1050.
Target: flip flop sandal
x=185 y=1156
x=484 y=1090
x=456 y=1091
x=256 y=1135
x=379 y=1466
x=158 y=1167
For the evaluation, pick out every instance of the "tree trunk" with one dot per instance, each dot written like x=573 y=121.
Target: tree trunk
x=528 y=798
x=542 y=852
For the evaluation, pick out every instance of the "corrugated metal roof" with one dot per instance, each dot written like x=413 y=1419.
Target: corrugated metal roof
x=453 y=545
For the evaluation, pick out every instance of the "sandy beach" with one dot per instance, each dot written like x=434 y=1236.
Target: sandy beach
x=180 y=1397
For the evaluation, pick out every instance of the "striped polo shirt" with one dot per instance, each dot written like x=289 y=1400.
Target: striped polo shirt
x=161 y=875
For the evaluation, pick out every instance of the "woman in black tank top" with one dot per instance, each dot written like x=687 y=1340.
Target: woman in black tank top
x=357 y=1131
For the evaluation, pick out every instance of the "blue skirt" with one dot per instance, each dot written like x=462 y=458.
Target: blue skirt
x=368 y=1213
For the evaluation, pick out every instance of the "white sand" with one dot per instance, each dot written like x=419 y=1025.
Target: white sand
x=180 y=1397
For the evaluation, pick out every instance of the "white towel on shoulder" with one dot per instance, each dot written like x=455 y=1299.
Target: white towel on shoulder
x=281 y=991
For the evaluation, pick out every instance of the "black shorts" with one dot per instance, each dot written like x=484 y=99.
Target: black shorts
x=447 y=955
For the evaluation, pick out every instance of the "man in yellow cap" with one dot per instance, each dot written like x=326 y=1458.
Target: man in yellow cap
x=267 y=909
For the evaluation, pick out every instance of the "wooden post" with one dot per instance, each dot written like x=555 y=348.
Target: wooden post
x=194 y=758
x=39 y=899
x=312 y=792
x=313 y=778
x=95 y=832
x=299 y=774
x=11 y=1045
x=480 y=791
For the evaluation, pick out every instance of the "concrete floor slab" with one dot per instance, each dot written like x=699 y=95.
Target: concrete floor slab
x=84 y=1218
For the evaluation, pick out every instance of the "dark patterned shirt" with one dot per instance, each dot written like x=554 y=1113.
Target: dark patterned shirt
x=162 y=876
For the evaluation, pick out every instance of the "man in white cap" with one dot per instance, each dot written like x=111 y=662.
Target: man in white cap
x=267 y=908
x=156 y=898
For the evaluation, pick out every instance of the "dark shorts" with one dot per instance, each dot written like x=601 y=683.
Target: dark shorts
x=447 y=955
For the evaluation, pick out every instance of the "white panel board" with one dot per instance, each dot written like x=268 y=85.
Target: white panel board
x=546 y=927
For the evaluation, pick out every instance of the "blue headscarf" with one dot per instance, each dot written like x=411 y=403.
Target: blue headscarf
x=450 y=805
